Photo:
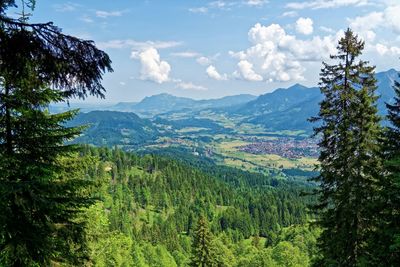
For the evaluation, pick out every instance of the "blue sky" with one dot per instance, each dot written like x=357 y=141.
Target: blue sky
x=209 y=49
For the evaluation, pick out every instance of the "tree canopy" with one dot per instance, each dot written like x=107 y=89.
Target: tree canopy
x=42 y=185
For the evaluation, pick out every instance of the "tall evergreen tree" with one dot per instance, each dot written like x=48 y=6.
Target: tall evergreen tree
x=42 y=190
x=350 y=160
x=385 y=244
x=202 y=246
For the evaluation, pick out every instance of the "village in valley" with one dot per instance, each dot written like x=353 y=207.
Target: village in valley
x=285 y=147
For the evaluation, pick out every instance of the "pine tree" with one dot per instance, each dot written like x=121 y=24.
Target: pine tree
x=42 y=190
x=350 y=159
x=202 y=246
x=385 y=244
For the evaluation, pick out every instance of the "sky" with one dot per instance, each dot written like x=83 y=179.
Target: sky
x=209 y=49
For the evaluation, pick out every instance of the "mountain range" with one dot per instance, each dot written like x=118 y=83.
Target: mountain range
x=282 y=109
x=289 y=109
x=163 y=103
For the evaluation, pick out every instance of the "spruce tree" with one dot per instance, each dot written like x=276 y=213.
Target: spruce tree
x=349 y=133
x=385 y=244
x=202 y=246
x=42 y=191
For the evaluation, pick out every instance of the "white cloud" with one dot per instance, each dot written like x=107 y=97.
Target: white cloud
x=257 y=3
x=367 y=22
x=186 y=54
x=387 y=50
x=200 y=59
x=227 y=5
x=105 y=14
x=214 y=74
x=218 y=4
x=366 y=25
x=86 y=19
x=129 y=43
x=152 y=67
x=290 y=14
x=67 y=7
x=122 y=83
x=381 y=49
x=246 y=71
x=318 y=4
x=204 y=61
x=207 y=60
x=198 y=10
x=277 y=56
x=392 y=17
x=190 y=86
x=327 y=29
x=304 y=26
x=395 y=50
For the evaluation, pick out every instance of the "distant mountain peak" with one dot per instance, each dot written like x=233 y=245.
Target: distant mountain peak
x=297 y=86
x=160 y=95
x=392 y=71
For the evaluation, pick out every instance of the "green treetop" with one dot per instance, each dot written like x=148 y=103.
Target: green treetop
x=350 y=155
x=202 y=247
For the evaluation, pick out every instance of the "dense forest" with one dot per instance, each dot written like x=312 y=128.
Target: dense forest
x=151 y=205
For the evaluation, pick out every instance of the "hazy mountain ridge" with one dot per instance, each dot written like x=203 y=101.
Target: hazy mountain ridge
x=282 y=109
x=289 y=109
x=278 y=100
x=164 y=103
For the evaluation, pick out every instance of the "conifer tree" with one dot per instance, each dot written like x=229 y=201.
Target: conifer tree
x=41 y=190
x=385 y=244
x=202 y=246
x=350 y=160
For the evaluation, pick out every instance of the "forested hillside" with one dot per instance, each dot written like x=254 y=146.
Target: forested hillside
x=150 y=207
x=109 y=128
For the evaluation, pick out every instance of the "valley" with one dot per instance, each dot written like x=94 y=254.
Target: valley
x=269 y=134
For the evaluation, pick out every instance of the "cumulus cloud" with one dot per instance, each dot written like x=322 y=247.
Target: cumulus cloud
x=152 y=67
x=367 y=22
x=381 y=49
x=277 y=56
x=247 y=72
x=319 y=4
x=304 y=26
x=190 y=86
x=365 y=25
x=214 y=74
x=387 y=50
x=392 y=17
